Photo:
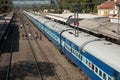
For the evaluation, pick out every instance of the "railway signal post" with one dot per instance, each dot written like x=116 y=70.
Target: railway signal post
x=76 y=21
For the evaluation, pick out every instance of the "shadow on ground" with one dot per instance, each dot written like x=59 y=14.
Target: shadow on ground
x=7 y=43
x=23 y=69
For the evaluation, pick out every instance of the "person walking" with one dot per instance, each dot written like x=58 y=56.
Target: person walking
x=35 y=35
x=30 y=36
x=40 y=36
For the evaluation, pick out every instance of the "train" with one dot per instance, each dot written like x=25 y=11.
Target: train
x=98 y=58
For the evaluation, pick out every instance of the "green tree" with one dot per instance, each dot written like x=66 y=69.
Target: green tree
x=95 y=9
x=5 y=6
x=86 y=5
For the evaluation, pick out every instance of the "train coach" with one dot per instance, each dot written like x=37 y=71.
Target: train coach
x=98 y=58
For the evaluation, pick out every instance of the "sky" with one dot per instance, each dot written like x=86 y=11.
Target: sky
x=22 y=2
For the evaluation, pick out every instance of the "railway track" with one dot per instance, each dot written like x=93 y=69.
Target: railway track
x=61 y=72
x=31 y=55
x=33 y=52
x=50 y=68
x=9 y=69
x=11 y=52
x=34 y=59
x=6 y=53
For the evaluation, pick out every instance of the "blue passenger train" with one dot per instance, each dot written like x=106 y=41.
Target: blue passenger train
x=98 y=58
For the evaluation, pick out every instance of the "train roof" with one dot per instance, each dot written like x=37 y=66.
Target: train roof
x=107 y=52
x=52 y=25
x=82 y=38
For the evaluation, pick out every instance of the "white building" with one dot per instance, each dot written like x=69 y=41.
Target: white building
x=108 y=8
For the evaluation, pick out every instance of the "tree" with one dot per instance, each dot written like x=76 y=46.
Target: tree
x=95 y=9
x=86 y=5
x=5 y=6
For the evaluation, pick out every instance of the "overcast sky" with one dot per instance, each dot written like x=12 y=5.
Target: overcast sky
x=30 y=2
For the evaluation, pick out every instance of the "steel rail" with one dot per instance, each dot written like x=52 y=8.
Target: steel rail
x=10 y=60
x=56 y=76
x=4 y=36
x=36 y=61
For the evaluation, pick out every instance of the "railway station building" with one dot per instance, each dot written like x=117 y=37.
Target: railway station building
x=108 y=8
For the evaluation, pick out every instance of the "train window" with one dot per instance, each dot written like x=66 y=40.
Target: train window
x=89 y=64
x=93 y=67
x=96 y=69
x=71 y=50
x=104 y=76
x=100 y=72
x=81 y=58
x=109 y=78
x=86 y=61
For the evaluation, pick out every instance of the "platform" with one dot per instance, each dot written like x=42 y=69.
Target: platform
x=93 y=23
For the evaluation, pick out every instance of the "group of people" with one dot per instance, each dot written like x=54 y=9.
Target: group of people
x=35 y=36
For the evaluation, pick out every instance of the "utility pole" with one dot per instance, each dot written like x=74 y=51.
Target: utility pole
x=118 y=28
x=76 y=21
x=118 y=21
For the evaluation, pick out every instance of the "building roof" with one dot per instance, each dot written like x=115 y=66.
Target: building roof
x=110 y=4
x=107 y=5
